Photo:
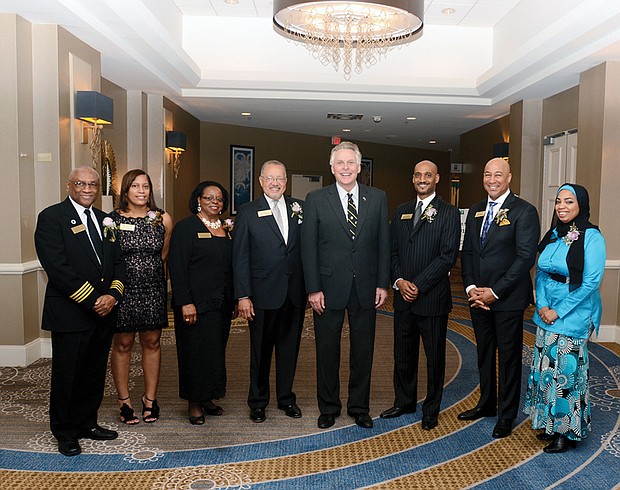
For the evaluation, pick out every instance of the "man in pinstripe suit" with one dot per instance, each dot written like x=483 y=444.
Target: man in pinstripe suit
x=425 y=235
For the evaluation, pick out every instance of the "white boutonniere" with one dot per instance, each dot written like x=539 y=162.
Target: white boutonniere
x=502 y=217
x=297 y=211
x=109 y=229
x=430 y=213
x=228 y=225
x=572 y=235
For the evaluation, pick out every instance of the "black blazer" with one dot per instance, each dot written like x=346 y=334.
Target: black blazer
x=332 y=260
x=75 y=277
x=509 y=253
x=424 y=255
x=200 y=267
x=266 y=269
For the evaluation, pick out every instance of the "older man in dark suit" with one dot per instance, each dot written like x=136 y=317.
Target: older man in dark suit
x=269 y=285
x=499 y=249
x=425 y=241
x=86 y=277
x=346 y=258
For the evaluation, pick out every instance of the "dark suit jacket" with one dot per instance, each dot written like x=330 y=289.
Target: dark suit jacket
x=265 y=268
x=332 y=260
x=75 y=277
x=424 y=255
x=509 y=253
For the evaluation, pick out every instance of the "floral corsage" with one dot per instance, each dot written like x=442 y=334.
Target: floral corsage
x=109 y=229
x=153 y=218
x=228 y=225
x=572 y=235
x=430 y=213
x=502 y=217
x=297 y=211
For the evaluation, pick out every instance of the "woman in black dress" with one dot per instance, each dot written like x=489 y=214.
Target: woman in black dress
x=144 y=234
x=202 y=299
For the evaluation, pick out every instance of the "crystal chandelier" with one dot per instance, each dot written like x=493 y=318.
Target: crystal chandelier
x=353 y=34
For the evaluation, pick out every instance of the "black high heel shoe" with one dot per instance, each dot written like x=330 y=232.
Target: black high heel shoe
x=210 y=408
x=196 y=419
x=127 y=415
x=153 y=410
x=560 y=445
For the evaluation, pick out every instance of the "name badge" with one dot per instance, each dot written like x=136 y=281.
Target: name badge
x=406 y=216
x=480 y=214
x=128 y=227
x=78 y=229
x=264 y=212
x=204 y=235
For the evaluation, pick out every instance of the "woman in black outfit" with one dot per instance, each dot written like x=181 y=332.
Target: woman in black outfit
x=200 y=262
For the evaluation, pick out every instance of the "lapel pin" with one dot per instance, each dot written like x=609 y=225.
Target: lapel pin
x=363 y=198
x=73 y=221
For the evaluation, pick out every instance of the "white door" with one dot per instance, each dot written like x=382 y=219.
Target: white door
x=560 y=165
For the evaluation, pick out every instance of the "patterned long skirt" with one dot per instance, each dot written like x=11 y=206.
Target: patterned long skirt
x=558 y=394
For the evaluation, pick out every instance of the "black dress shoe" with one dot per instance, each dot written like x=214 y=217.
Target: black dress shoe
x=99 y=434
x=429 y=423
x=503 y=428
x=560 y=445
x=546 y=437
x=362 y=419
x=326 y=420
x=69 y=448
x=210 y=408
x=292 y=411
x=257 y=415
x=476 y=413
x=395 y=411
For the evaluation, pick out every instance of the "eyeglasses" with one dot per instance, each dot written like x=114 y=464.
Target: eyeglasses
x=271 y=179
x=212 y=198
x=82 y=185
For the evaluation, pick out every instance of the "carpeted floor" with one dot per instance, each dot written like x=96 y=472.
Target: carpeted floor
x=232 y=452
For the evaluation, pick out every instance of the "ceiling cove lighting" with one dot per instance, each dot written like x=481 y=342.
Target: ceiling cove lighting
x=354 y=34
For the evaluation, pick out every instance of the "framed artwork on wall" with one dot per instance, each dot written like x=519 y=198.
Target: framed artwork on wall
x=365 y=175
x=241 y=176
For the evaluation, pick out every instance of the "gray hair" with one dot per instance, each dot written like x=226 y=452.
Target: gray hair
x=346 y=145
x=84 y=168
x=272 y=162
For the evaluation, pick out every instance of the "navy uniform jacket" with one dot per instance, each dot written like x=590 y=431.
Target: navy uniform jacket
x=75 y=277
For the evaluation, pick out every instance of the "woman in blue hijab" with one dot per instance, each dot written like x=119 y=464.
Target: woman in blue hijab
x=568 y=309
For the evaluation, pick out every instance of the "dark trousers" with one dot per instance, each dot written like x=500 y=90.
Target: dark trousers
x=501 y=331
x=328 y=330
x=408 y=328
x=281 y=329
x=79 y=365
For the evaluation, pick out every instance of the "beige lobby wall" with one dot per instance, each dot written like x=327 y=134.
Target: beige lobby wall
x=476 y=151
x=561 y=112
x=309 y=155
x=116 y=133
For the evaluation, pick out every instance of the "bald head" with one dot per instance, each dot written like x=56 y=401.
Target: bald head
x=425 y=178
x=496 y=178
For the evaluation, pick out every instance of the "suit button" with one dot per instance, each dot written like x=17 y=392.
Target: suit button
x=353 y=250
x=102 y=279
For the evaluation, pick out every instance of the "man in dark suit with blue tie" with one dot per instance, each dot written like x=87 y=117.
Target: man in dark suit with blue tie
x=86 y=275
x=269 y=285
x=425 y=236
x=499 y=249
x=346 y=259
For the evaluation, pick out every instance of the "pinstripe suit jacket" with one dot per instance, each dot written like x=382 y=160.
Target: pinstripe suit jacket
x=424 y=255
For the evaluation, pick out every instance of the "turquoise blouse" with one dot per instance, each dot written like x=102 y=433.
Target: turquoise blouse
x=582 y=307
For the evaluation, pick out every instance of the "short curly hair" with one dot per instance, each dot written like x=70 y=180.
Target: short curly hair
x=197 y=192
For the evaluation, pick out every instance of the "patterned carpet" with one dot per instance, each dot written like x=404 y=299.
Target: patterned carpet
x=232 y=452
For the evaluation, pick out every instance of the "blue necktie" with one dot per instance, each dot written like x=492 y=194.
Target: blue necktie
x=488 y=219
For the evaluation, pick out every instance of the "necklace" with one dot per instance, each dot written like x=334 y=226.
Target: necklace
x=213 y=225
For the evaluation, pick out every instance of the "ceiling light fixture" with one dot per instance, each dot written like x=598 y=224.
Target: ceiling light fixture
x=411 y=118
x=231 y=2
x=346 y=130
x=354 y=34
x=448 y=11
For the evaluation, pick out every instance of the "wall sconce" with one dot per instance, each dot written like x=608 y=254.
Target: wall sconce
x=95 y=109
x=176 y=142
x=500 y=150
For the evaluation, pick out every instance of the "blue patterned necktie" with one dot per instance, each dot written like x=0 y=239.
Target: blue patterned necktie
x=488 y=219
x=351 y=216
